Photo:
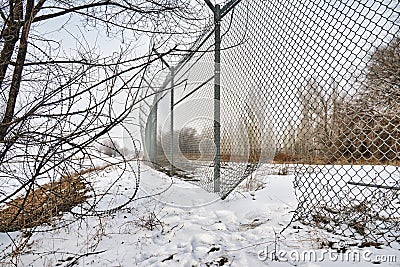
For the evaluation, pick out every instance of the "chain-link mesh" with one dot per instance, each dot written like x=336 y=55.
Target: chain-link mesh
x=311 y=83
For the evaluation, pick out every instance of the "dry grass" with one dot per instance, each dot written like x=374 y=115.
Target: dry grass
x=45 y=203
x=371 y=161
x=287 y=158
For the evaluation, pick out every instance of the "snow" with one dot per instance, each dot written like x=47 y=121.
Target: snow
x=182 y=225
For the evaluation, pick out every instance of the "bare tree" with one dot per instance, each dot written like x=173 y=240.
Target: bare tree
x=369 y=120
x=62 y=88
x=188 y=141
x=186 y=144
x=110 y=148
x=319 y=102
x=382 y=78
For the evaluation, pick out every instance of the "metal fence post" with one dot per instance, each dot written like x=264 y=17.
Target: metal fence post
x=151 y=129
x=172 y=148
x=217 y=94
x=154 y=145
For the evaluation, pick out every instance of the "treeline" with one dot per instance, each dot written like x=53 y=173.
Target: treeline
x=347 y=127
x=359 y=125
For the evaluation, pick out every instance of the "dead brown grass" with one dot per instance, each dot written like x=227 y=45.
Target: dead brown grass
x=45 y=203
x=286 y=158
x=371 y=161
x=282 y=158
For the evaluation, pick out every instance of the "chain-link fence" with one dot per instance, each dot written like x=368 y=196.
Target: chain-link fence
x=311 y=83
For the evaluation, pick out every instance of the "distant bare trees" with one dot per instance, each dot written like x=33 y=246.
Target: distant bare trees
x=363 y=127
x=318 y=103
x=369 y=121
x=189 y=141
x=186 y=144
x=110 y=148
x=360 y=127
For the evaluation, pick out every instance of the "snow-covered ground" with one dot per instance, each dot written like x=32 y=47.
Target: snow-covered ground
x=182 y=225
